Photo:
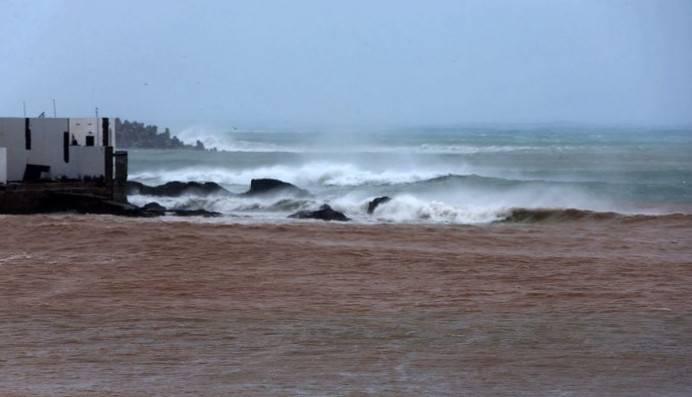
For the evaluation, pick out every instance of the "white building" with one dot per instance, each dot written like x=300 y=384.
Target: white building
x=56 y=148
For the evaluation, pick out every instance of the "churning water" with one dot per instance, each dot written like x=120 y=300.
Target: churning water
x=450 y=175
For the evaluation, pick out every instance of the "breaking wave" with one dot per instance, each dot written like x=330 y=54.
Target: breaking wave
x=308 y=174
x=323 y=173
x=541 y=174
x=402 y=208
x=416 y=196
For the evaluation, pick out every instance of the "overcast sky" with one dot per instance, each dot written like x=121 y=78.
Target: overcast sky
x=350 y=63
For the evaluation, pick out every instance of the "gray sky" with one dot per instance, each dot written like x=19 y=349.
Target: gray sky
x=350 y=63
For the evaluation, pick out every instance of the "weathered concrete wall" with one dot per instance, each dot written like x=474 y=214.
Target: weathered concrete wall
x=47 y=146
x=3 y=165
x=12 y=138
x=86 y=162
x=81 y=128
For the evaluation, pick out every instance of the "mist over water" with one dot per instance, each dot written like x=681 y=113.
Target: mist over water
x=452 y=175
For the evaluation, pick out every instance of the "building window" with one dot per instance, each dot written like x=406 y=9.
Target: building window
x=66 y=146
x=27 y=134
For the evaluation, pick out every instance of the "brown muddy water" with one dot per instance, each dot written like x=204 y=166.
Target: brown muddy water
x=105 y=306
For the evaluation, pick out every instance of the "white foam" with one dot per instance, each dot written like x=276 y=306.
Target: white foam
x=214 y=138
x=309 y=174
x=408 y=208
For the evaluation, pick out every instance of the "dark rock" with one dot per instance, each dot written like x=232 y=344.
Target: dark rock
x=88 y=204
x=325 y=213
x=376 y=202
x=175 y=189
x=273 y=186
x=204 y=213
x=132 y=134
x=51 y=201
x=154 y=208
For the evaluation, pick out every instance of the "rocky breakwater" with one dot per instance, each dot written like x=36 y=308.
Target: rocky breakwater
x=267 y=186
x=192 y=198
x=324 y=213
x=175 y=189
x=287 y=196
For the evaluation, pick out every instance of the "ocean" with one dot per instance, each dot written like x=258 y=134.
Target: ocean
x=434 y=175
x=408 y=301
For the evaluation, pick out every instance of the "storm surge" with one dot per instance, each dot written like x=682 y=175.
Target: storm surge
x=452 y=177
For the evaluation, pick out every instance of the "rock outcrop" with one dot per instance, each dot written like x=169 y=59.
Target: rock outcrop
x=53 y=199
x=132 y=134
x=175 y=189
x=274 y=186
x=154 y=209
x=198 y=212
x=325 y=213
x=258 y=187
x=372 y=205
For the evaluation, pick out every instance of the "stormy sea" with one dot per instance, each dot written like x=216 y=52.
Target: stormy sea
x=525 y=262
x=435 y=175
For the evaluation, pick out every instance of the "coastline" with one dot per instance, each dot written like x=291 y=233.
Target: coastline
x=103 y=305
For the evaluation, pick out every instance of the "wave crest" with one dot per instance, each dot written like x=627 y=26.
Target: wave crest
x=309 y=174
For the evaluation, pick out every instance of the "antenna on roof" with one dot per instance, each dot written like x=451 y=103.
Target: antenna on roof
x=97 y=122
x=55 y=114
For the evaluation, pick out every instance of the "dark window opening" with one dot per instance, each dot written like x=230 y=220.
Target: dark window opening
x=104 y=130
x=27 y=134
x=35 y=172
x=90 y=141
x=66 y=146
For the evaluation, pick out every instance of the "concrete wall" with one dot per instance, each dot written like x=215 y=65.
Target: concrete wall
x=12 y=139
x=47 y=146
x=86 y=162
x=3 y=165
x=82 y=127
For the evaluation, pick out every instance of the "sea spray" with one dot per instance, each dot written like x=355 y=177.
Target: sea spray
x=436 y=177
